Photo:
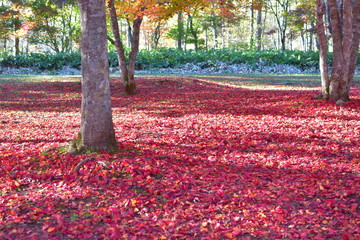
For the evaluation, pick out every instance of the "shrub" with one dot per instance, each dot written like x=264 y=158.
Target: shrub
x=42 y=61
x=169 y=58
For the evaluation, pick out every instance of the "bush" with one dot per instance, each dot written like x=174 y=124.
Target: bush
x=42 y=61
x=169 y=58
x=164 y=58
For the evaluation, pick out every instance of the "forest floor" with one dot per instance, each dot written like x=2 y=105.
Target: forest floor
x=200 y=157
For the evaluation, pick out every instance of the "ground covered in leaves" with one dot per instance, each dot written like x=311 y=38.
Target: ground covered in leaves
x=196 y=160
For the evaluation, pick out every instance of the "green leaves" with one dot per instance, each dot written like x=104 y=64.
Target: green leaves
x=42 y=61
x=168 y=58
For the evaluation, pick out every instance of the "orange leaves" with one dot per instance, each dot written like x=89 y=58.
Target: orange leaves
x=164 y=9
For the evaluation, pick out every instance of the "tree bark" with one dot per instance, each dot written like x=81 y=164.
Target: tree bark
x=127 y=69
x=17 y=46
x=252 y=31
x=17 y=39
x=193 y=32
x=130 y=85
x=345 y=34
x=324 y=69
x=215 y=25
x=180 y=27
x=156 y=35
x=354 y=48
x=97 y=130
x=259 y=29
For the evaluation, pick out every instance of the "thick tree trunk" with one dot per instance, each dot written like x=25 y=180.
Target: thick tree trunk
x=127 y=69
x=97 y=131
x=345 y=34
x=354 y=48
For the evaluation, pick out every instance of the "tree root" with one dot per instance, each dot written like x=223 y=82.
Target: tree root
x=88 y=159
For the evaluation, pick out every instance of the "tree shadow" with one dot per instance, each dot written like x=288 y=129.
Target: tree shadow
x=179 y=97
x=41 y=96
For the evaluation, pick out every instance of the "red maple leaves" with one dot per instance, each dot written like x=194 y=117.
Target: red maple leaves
x=198 y=161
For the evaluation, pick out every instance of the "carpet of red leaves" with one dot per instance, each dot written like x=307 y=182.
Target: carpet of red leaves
x=197 y=160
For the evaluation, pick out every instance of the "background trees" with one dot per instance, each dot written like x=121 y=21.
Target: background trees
x=55 y=24
x=30 y=25
x=13 y=22
x=52 y=24
x=273 y=24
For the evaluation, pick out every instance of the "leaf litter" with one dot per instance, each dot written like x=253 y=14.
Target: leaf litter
x=196 y=160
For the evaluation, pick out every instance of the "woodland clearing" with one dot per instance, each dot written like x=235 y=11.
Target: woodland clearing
x=200 y=157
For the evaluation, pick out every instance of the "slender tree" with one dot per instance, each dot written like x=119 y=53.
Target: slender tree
x=127 y=68
x=180 y=30
x=324 y=68
x=280 y=9
x=97 y=131
x=259 y=30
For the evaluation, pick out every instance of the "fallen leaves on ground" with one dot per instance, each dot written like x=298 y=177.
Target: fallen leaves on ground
x=197 y=160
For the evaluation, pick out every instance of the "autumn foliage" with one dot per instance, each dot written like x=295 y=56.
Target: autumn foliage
x=198 y=160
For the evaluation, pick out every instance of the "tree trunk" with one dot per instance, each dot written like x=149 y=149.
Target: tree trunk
x=311 y=37
x=259 y=29
x=252 y=31
x=155 y=37
x=193 y=32
x=97 y=130
x=283 y=39
x=345 y=34
x=129 y=33
x=354 y=48
x=214 y=25
x=127 y=69
x=17 y=46
x=324 y=69
x=180 y=27
x=130 y=85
